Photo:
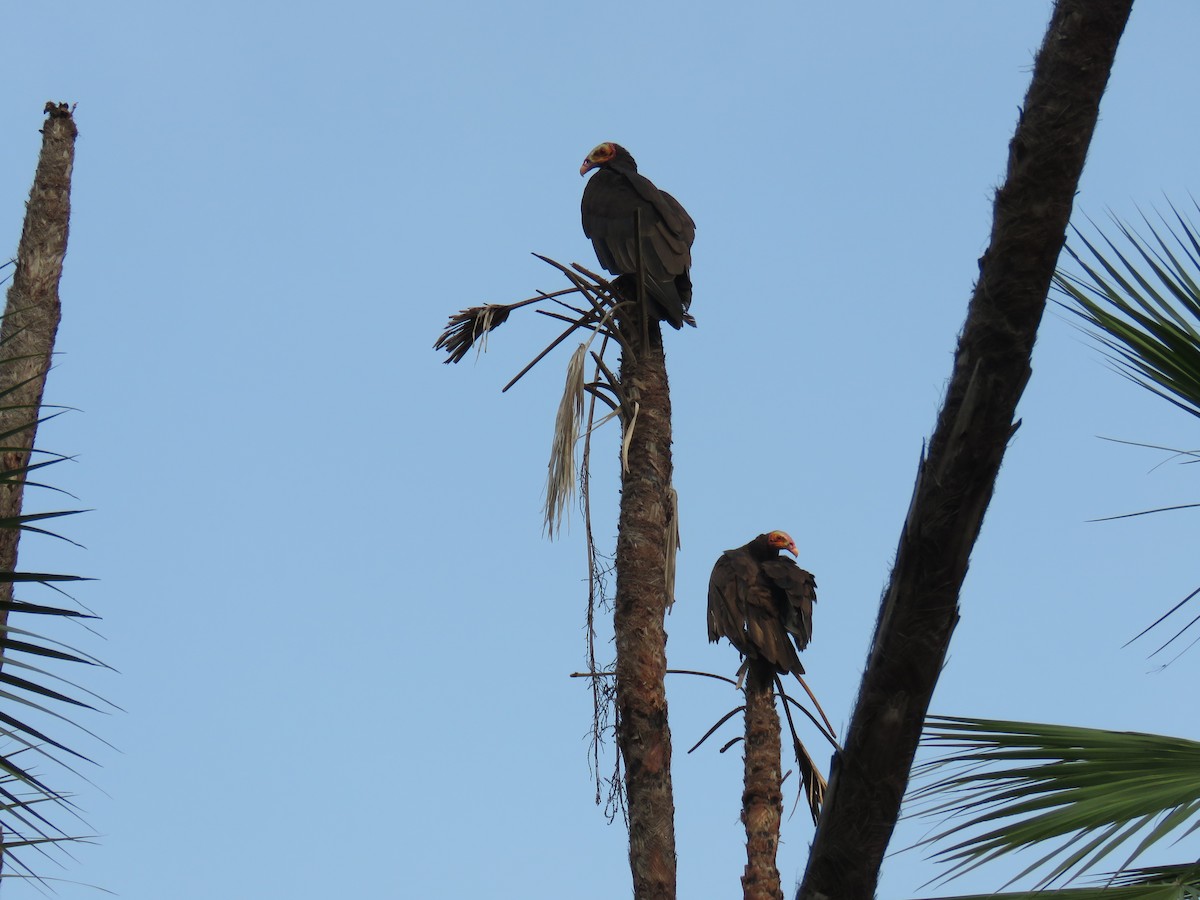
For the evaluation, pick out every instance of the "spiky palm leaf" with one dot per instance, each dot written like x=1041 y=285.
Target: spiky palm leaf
x=31 y=808
x=1150 y=890
x=1143 y=305
x=35 y=701
x=1084 y=792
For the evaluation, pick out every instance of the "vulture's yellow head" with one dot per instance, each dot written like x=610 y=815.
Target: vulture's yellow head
x=603 y=153
x=781 y=540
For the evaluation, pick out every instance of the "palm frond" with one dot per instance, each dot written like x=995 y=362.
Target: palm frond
x=469 y=328
x=1159 y=883
x=1143 y=304
x=1084 y=792
x=1148 y=891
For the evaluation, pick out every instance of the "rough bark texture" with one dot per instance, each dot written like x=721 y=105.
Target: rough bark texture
x=955 y=483
x=31 y=322
x=641 y=604
x=762 y=797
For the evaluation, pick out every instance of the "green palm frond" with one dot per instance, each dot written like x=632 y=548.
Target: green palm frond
x=1186 y=875
x=1162 y=883
x=1082 y=792
x=1143 y=303
x=1148 y=891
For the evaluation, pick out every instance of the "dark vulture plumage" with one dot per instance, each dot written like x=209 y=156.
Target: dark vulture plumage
x=763 y=602
x=611 y=201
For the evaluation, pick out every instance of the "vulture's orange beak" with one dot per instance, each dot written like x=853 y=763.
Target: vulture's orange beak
x=587 y=166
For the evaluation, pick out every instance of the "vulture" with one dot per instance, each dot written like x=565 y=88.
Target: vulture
x=763 y=602
x=612 y=200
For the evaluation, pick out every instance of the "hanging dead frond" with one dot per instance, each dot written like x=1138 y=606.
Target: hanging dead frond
x=813 y=785
x=560 y=480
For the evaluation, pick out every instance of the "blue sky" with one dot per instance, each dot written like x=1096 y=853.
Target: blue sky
x=343 y=641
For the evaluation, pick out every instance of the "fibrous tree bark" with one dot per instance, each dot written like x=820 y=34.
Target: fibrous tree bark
x=956 y=480
x=762 y=794
x=641 y=602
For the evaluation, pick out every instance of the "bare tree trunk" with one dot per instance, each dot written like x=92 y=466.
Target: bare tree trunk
x=641 y=604
x=31 y=322
x=762 y=797
x=955 y=483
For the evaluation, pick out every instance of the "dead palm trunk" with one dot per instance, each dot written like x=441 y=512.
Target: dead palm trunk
x=762 y=796
x=641 y=603
x=956 y=480
x=30 y=324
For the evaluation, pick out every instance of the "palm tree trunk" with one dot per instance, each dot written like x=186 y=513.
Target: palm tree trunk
x=955 y=483
x=641 y=603
x=762 y=797
x=28 y=329
x=30 y=324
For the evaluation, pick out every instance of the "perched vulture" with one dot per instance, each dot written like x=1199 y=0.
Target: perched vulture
x=611 y=201
x=762 y=602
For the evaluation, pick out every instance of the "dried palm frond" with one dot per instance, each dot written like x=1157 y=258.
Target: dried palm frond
x=628 y=427
x=812 y=783
x=473 y=324
x=469 y=325
x=560 y=479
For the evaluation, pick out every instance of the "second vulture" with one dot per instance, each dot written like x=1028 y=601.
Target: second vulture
x=613 y=201
x=763 y=602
